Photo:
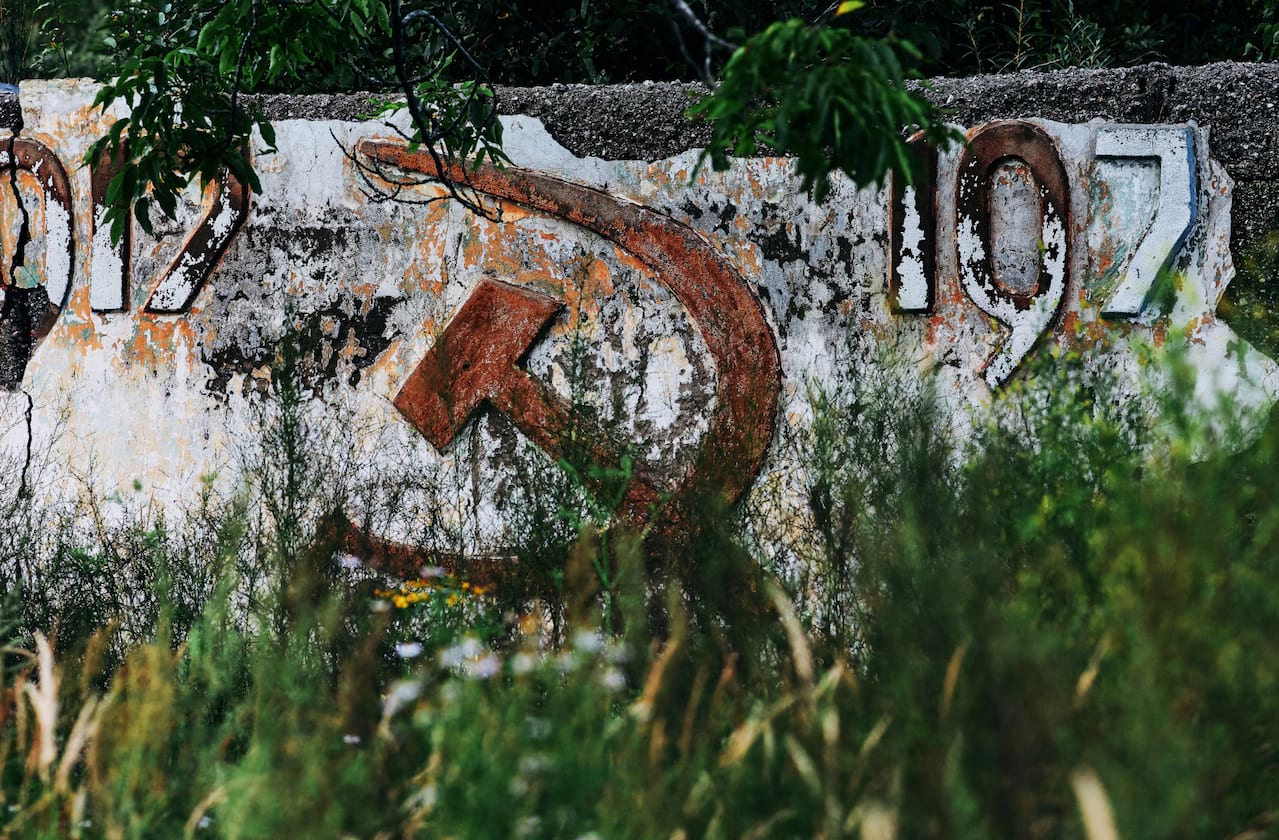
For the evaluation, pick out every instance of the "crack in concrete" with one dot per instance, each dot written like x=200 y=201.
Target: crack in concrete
x=24 y=489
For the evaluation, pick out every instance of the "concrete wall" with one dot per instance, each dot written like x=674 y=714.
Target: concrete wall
x=609 y=311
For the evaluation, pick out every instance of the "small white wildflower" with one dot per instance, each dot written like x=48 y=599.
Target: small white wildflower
x=565 y=662
x=204 y=822
x=613 y=679
x=531 y=765
x=401 y=694
x=350 y=739
x=425 y=797
x=522 y=663
x=408 y=650
x=452 y=656
x=483 y=668
x=538 y=728
x=588 y=641
x=431 y=572
x=380 y=606
x=349 y=561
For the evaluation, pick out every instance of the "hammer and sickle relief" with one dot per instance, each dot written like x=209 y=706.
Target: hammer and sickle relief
x=477 y=359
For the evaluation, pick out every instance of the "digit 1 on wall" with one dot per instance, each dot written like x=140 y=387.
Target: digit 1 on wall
x=912 y=233
x=1027 y=307
x=109 y=262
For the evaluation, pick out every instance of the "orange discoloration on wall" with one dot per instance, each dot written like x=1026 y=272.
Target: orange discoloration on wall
x=155 y=342
x=690 y=378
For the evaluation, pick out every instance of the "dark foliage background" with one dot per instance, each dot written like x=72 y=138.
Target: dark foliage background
x=531 y=42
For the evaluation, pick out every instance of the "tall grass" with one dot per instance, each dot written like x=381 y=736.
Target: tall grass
x=1067 y=630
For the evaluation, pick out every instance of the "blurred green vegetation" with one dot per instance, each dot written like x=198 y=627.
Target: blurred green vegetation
x=52 y=38
x=1068 y=626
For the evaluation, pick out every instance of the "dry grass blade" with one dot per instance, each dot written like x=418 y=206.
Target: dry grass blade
x=804 y=764
x=1094 y=805
x=86 y=726
x=878 y=823
x=217 y=797
x=875 y=735
x=643 y=707
x=952 y=679
x=1089 y=676
x=744 y=736
x=690 y=712
x=43 y=697
x=801 y=653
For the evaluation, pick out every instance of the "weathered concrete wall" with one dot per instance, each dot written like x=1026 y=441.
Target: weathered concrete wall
x=609 y=311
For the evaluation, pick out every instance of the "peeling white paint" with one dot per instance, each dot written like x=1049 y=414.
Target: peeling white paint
x=912 y=295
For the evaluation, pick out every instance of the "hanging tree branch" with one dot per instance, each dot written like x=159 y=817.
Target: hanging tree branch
x=683 y=12
x=183 y=68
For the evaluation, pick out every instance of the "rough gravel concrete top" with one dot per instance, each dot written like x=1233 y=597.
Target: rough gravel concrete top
x=646 y=121
x=10 y=113
x=642 y=121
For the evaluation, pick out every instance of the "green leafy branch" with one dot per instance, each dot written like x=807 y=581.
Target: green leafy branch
x=835 y=100
x=183 y=67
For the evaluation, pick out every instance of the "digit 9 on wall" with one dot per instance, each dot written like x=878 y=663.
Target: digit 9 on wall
x=1023 y=288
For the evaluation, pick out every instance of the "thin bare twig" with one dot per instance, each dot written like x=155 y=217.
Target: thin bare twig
x=685 y=12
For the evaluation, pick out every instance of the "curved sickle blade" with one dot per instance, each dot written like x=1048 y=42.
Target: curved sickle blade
x=717 y=298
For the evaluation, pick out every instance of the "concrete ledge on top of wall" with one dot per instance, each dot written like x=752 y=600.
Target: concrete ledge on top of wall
x=10 y=113
x=643 y=121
